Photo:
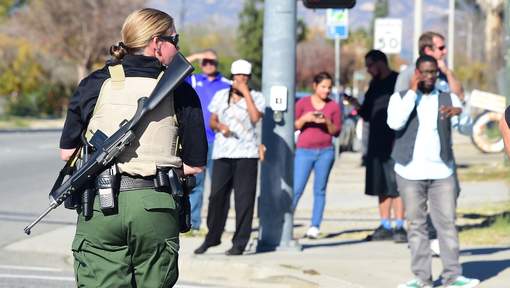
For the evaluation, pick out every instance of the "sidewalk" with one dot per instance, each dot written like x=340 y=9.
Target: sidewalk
x=340 y=258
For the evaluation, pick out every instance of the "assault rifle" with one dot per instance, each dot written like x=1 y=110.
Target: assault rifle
x=107 y=151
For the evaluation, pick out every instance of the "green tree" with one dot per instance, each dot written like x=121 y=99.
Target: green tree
x=249 y=39
x=5 y=8
x=381 y=10
x=19 y=78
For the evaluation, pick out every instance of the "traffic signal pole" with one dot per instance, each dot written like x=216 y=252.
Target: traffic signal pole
x=418 y=5
x=278 y=70
x=338 y=98
x=451 y=34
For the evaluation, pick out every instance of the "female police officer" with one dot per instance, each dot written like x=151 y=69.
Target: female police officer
x=137 y=244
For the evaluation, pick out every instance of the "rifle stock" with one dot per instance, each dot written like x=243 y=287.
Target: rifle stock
x=114 y=145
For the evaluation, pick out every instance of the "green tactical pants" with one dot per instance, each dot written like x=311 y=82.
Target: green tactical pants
x=136 y=247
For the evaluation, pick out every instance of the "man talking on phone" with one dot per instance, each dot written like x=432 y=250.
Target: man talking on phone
x=422 y=118
x=433 y=44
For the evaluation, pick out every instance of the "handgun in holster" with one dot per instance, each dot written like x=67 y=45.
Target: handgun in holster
x=173 y=180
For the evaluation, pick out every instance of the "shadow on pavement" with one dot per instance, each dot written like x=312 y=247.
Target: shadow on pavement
x=333 y=235
x=483 y=251
x=485 y=270
x=332 y=244
x=343 y=219
x=487 y=221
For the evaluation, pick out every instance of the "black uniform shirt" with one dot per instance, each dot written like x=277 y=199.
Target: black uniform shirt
x=186 y=103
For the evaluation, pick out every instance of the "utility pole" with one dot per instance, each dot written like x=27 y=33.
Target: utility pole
x=278 y=74
x=418 y=4
x=182 y=13
x=337 y=64
x=451 y=33
x=336 y=140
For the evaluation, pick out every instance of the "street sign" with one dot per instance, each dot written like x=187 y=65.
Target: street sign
x=488 y=101
x=388 y=35
x=337 y=21
x=278 y=98
x=318 y=4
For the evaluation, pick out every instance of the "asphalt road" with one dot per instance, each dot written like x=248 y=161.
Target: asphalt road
x=29 y=164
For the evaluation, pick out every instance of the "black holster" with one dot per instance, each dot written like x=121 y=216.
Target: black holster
x=184 y=213
x=83 y=201
x=174 y=181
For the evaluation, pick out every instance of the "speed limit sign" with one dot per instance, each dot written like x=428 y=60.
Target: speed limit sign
x=388 y=35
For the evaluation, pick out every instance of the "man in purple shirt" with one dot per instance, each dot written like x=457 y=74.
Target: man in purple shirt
x=206 y=84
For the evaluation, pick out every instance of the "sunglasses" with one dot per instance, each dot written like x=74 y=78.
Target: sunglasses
x=212 y=62
x=441 y=48
x=429 y=72
x=174 y=39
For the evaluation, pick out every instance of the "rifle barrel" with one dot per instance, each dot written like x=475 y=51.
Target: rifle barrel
x=51 y=207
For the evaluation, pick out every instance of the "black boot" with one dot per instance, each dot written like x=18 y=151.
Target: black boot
x=234 y=251
x=203 y=248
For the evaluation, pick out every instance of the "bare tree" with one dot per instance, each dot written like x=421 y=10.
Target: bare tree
x=313 y=57
x=493 y=30
x=76 y=31
x=318 y=55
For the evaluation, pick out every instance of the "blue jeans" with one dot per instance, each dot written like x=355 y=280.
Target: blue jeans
x=197 y=194
x=321 y=161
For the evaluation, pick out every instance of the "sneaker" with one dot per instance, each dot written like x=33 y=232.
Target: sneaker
x=434 y=247
x=415 y=283
x=380 y=234
x=463 y=282
x=312 y=233
x=400 y=235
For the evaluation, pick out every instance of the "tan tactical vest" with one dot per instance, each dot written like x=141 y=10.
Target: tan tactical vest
x=156 y=141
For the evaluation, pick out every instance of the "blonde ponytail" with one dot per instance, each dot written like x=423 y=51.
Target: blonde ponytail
x=138 y=30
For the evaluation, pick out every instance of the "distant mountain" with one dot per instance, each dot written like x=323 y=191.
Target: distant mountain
x=224 y=13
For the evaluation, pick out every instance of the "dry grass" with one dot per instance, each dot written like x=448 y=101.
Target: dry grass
x=496 y=171
x=13 y=122
x=485 y=225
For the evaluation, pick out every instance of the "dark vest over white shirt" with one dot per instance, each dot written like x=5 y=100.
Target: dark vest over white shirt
x=406 y=137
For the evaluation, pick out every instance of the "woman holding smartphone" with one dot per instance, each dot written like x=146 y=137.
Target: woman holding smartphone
x=319 y=119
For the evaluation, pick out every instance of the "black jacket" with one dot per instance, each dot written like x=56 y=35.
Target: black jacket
x=187 y=107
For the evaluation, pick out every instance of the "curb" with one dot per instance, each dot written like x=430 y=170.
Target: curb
x=29 y=130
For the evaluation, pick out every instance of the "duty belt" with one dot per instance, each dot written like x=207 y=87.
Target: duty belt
x=128 y=183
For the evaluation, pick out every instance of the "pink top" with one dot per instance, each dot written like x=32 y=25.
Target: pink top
x=316 y=135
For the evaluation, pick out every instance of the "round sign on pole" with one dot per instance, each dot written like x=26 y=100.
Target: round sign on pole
x=388 y=35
